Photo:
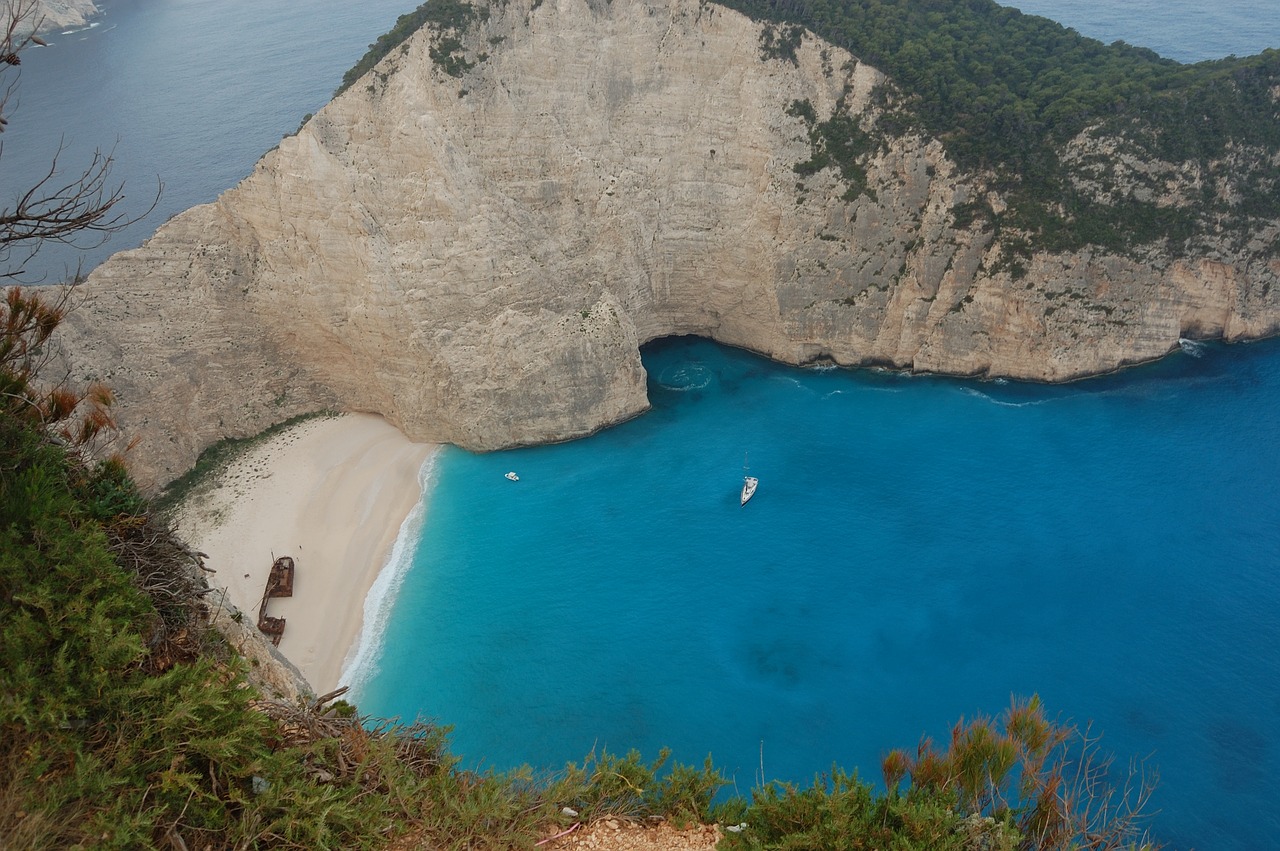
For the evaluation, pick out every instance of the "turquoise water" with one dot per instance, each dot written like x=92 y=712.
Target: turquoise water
x=919 y=549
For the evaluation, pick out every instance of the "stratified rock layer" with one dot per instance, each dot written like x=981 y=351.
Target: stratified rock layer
x=479 y=258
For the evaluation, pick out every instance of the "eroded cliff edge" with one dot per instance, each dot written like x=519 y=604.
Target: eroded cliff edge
x=479 y=257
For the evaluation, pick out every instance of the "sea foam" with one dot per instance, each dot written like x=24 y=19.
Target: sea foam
x=362 y=659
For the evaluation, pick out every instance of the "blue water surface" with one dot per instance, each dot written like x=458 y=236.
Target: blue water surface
x=920 y=549
x=187 y=94
x=1185 y=30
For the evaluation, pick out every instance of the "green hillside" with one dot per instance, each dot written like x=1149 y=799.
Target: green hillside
x=1005 y=91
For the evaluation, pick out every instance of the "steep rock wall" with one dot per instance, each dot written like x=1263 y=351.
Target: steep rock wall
x=478 y=258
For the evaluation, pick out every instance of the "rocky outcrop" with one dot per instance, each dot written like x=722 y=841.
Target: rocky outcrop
x=479 y=257
x=268 y=670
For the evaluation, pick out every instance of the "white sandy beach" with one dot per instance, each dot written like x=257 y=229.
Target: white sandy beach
x=332 y=493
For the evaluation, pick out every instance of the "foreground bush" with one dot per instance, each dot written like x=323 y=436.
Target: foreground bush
x=126 y=723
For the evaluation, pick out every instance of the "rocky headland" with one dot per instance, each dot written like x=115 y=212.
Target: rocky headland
x=50 y=15
x=475 y=239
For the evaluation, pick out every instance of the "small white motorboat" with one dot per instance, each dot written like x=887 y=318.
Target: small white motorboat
x=749 y=483
x=511 y=476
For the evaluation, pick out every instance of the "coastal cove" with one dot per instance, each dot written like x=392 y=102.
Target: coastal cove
x=919 y=550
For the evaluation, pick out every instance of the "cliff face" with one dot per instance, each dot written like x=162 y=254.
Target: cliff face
x=479 y=257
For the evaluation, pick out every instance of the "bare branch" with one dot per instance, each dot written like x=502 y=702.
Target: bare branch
x=19 y=33
x=77 y=210
x=53 y=210
x=20 y=30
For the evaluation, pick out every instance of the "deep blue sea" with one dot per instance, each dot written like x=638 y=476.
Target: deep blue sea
x=184 y=93
x=1185 y=30
x=920 y=549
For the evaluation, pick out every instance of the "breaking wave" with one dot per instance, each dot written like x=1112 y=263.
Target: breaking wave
x=1191 y=347
x=362 y=659
x=1004 y=403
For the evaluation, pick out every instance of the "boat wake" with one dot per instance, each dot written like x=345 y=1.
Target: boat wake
x=973 y=391
x=362 y=659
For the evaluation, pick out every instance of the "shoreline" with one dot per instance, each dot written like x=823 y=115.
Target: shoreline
x=381 y=593
x=333 y=493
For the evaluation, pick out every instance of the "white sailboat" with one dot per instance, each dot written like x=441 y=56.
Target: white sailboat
x=749 y=484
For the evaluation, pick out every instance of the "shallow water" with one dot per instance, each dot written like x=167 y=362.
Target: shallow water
x=919 y=549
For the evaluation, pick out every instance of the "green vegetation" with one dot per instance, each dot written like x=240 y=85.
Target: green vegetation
x=1017 y=782
x=218 y=456
x=838 y=142
x=1005 y=90
x=126 y=723
x=781 y=42
x=448 y=18
x=123 y=722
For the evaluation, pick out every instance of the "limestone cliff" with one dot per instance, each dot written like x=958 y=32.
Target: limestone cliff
x=479 y=257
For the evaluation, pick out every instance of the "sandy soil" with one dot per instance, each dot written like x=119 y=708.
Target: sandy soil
x=616 y=835
x=332 y=494
x=606 y=835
